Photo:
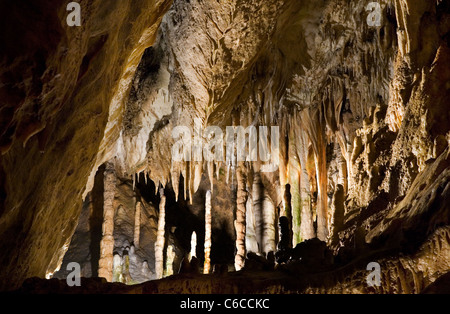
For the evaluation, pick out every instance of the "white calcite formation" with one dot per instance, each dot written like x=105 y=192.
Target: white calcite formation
x=208 y=217
x=193 y=252
x=137 y=224
x=105 y=268
x=160 y=237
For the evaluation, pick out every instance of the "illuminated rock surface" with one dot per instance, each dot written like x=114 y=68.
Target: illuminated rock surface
x=364 y=173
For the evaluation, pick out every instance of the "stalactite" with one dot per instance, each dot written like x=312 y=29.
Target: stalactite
x=160 y=237
x=228 y=165
x=191 y=181
x=346 y=149
x=175 y=174
x=185 y=174
x=157 y=181
x=269 y=229
x=306 y=220
x=210 y=166
x=198 y=171
x=316 y=131
x=137 y=224
x=240 y=222
x=207 y=264
x=193 y=252
x=342 y=164
x=105 y=267
x=218 y=166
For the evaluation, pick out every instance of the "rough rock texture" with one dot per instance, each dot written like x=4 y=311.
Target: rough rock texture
x=105 y=268
x=208 y=219
x=57 y=87
x=363 y=117
x=132 y=263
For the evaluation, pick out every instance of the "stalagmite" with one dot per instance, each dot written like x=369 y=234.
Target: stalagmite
x=105 y=267
x=240 y=222
x=207 y=265
x=117 y=269
x=258 y=197
x=193 y=252
x=137 y=224
x=269 y=230
x=251 y=242
x=160 y=237
x=170 y=257
x=337 y=211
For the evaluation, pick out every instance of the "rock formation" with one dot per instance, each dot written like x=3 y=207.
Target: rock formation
x=337 y=115
x=160 y=236
x=107 y=244
x=207 y=264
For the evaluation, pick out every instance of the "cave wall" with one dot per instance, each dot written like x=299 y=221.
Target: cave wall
x=58 y=84
x=362 y=110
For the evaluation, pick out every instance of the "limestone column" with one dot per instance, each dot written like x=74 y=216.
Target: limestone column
x=258 y=197
x=207 y=265
x=251 y=239
x=269 y=230
x=137 y=224
x=307 y=226
x=160 y=237
x=322 y=197
x=105 y=267
x=240 y=222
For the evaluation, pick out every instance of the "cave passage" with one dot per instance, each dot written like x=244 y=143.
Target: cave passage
x=258 y=146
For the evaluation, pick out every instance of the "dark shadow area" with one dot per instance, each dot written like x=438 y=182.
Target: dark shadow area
x=96 y=220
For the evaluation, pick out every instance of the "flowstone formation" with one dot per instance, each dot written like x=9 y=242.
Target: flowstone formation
x=349 y=100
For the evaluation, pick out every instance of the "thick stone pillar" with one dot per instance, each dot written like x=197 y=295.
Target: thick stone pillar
x=137 y=224
x=105 y=264
x=269 y=229
x=207 y=265
x=160 y=237
x=240 y=222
